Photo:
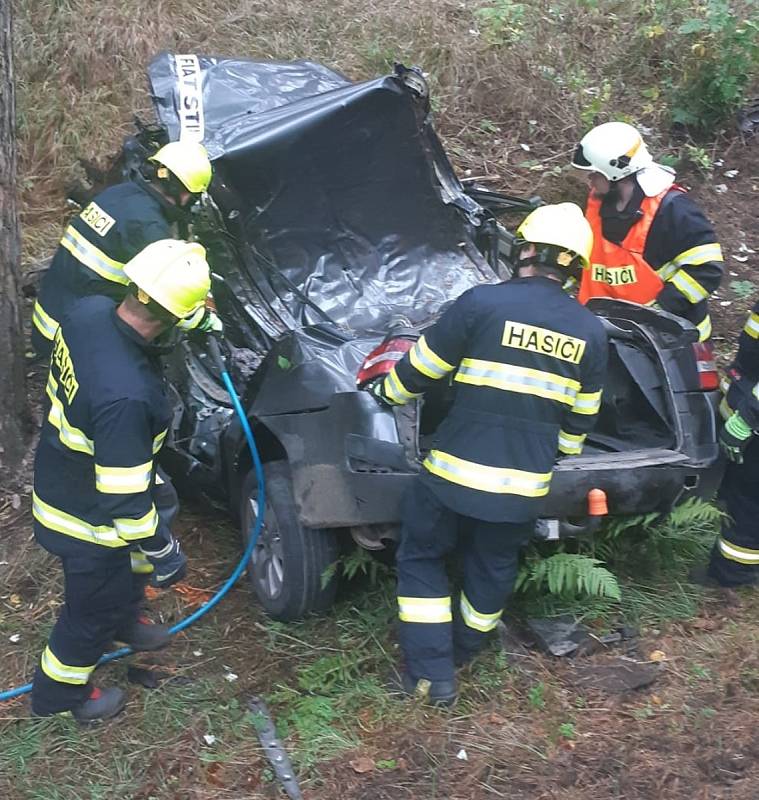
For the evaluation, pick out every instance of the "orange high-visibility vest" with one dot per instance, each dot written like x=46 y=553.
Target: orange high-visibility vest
x=619 y=270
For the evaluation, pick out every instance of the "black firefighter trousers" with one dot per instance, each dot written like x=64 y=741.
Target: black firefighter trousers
x=103 y=593
x=735 y=557
x=433 y=635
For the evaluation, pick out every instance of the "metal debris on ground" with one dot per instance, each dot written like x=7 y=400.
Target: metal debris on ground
x=558 y=636
x=273 y=748
x=615 y=676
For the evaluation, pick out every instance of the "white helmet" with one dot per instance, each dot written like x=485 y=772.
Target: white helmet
x=615 y=149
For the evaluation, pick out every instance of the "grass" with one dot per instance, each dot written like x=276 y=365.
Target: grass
x=499 y=76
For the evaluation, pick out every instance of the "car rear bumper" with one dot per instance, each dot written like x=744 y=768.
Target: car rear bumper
x=347 y=470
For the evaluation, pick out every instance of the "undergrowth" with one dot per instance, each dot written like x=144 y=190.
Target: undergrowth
x=502 y=73
x=642 y=554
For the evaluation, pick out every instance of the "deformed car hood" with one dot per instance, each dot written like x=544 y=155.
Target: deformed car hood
x=341 y=190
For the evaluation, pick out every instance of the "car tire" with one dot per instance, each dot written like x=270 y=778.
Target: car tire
x=289 y=560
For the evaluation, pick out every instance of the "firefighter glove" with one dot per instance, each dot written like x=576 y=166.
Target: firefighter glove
x=204 y=320
x=376 y=391
x=735 y=437
x=169 y=564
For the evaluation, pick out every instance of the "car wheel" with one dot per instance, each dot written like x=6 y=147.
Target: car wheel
x=288 y=561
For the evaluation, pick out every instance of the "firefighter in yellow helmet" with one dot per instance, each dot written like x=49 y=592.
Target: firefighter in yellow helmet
x=528 y=364
x=95 y=503
x=114 y=228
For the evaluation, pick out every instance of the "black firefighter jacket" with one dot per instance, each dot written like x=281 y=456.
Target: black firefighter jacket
x=741 y=384
x=106 y=421
x=527 y=362
x=119 y=223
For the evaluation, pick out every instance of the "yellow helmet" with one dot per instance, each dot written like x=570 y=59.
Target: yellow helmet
x=189 y=162
x=564 y=229
x=173 y=273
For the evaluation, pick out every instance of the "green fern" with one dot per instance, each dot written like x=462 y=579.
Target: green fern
x=568 y=574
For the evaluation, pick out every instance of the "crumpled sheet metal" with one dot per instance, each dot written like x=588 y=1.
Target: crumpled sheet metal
x=273 y=748
x=196 y=95
x=343 y=187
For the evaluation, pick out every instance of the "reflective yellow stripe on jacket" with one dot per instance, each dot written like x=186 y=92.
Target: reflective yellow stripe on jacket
x=752 y=326
x=141 y=528
x=86 y=253
x=396 y=391
x=695 y=256
x=159 y=440
x=587 y=402
x=688 y=286
x=123 y=480
x=518 y=379
x=704 y=328
x=498 y=480
x=62 y=522
x=571 y=443
x=424 y=359
x=72 y=437
x=123 y=530
x=43 y=322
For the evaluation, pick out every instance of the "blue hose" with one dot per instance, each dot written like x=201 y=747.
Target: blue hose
x=232 y=579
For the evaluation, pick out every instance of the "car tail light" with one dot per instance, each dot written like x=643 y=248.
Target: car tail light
x=382 y=359
x=708 y=377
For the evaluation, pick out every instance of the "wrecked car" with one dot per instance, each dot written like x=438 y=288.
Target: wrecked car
x=337 y=220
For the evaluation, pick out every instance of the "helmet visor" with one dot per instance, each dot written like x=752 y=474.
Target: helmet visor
x=579 y=160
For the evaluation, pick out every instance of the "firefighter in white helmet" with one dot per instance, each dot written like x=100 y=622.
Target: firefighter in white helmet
x=652 y=243
x=115 y=227
x=94 y=500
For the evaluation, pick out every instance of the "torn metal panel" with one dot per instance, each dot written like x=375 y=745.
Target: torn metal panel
x=341 y=191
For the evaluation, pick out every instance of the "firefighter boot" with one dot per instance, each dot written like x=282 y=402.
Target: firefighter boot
x=436 y=693
x=102 y=704
x=141 y=635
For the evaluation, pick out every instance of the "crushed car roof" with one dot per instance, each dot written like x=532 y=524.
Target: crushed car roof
x=344 y=187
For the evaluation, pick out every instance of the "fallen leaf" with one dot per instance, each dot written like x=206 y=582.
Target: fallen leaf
x=191 y=595
x=656 y=700
x=151 y=593
x=496 y=719
x=212 y=772
x=15 y=600
x=657 y=655
x=362 y=764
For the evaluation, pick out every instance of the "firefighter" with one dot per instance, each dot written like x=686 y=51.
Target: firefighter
x=735 y=556
x=114 y=228
x=527 y=363
x=652 y=244
x=94 y=472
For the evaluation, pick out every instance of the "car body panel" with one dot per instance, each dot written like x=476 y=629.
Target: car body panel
x=335 y=214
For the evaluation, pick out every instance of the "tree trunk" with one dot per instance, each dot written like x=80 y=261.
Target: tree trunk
x=13 y=410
